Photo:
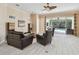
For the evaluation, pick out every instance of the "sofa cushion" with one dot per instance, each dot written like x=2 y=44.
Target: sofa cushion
x=27 y=34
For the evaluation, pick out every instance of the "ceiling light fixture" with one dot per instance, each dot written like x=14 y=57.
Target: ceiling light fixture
x=17 y=5
x=48 y=7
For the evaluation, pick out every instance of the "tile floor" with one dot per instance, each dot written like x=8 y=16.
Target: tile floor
x=61 y=45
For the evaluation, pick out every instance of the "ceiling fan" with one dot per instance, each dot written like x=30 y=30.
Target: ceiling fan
x=48 y=7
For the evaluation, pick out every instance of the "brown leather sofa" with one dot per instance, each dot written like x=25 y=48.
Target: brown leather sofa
x=17 y=39
x=45 y=39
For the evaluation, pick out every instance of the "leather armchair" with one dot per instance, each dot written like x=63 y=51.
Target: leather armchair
x=70 y=31
x=45 y=39
x=53 y=31
x=17 y=39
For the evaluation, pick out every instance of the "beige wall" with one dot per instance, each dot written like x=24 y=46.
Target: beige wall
x=19 y=15
x=2 y=21
x=5 y=12
x=33 y=20
x=38 y=23
x=41 y=23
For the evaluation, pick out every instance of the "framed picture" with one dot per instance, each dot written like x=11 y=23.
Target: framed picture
x=21 y=23
x=12 y=17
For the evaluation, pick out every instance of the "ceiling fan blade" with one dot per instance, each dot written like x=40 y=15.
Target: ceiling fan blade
x=52 y=7
x=45 y=6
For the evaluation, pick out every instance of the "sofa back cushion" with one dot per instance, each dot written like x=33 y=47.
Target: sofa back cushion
x=17 y=33
x=48 y=34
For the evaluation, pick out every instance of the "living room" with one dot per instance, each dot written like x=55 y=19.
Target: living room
x=26 y=18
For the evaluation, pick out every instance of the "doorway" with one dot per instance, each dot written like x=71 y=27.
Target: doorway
x=61 y=24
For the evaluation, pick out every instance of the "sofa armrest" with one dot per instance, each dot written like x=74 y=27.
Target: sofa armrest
x=39 y=36
x=27 y=37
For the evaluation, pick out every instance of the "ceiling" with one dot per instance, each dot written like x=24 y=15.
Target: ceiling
x=38 y=7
